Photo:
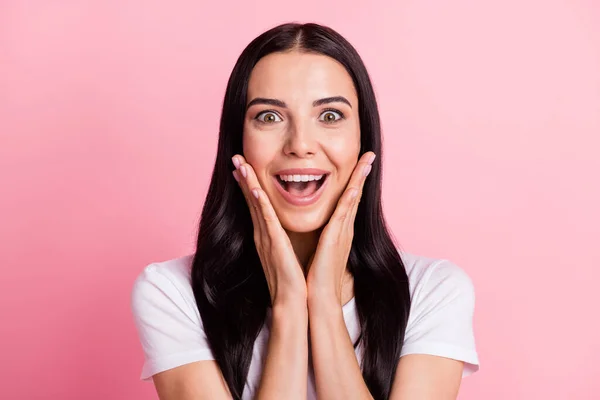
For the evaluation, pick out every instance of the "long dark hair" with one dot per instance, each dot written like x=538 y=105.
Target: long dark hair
x=227 y=277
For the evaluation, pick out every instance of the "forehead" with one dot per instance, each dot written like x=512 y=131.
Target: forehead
x=300 y=76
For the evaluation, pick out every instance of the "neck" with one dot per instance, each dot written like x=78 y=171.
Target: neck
x=305 y=245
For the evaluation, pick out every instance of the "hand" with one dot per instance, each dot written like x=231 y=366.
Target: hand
x=327 y=266
x=284 y=274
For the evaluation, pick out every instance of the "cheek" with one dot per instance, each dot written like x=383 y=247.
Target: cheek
x=344 y=154
x=259 y=150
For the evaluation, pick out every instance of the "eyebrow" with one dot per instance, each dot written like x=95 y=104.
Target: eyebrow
x=316 y=103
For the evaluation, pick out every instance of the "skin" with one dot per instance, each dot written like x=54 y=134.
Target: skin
x=301 y=137
x=304 y=249
x=298 y=136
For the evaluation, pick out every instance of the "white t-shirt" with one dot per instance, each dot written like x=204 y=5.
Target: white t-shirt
x=171 y=333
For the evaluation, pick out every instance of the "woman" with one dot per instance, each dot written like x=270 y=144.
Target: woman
x=296 y=289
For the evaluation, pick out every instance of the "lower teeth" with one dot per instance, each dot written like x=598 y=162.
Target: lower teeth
x=300 y=188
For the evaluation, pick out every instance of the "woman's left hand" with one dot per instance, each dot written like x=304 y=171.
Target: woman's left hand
x=327 y=266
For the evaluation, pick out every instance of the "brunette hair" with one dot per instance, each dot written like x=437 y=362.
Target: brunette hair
x=227 y=277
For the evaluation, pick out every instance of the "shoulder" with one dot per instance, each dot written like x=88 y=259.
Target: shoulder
x=441 y=313
x=429 y=276
x=168 y=322
x=177 y=270
x=171 y=278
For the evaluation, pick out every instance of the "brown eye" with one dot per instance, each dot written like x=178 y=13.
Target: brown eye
x=330 y=116
x=268 y=117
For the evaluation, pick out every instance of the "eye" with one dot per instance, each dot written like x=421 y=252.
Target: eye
x=329 y=116
x=270 y=117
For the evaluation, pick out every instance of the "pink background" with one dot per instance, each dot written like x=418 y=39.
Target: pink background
x=109 y=113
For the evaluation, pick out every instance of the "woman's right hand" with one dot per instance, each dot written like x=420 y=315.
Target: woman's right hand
x=283 y=271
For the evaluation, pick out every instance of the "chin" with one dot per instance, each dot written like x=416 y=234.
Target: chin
x=302 y=222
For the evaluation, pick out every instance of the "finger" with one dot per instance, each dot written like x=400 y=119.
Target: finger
x=349 y=198
x=269 y=218
x=272 y=224
x=251 y=187
x=245 y=190
x=364 y=173
x=361 y=170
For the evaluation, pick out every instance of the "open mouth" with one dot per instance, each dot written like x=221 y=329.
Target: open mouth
x=301 y=186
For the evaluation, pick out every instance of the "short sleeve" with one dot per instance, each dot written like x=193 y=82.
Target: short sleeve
x=168 y=324
x=441 y=317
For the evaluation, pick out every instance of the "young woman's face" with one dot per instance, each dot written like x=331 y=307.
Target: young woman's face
x=298 y=127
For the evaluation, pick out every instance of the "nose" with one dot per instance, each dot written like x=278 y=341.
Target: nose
x=301 y=141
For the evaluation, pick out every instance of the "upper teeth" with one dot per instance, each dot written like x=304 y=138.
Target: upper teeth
x=300 y=178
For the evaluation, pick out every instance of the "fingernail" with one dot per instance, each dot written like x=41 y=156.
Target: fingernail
x=367 y=170
x=235 y=175
x=244 y=172
x=372 y=159
x=255 y=193
x=236 y=162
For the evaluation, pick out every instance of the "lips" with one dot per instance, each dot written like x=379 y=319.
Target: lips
x=290 y=191
x=302 y=171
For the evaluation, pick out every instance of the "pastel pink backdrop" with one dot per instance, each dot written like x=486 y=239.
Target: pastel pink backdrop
x=108 y=130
